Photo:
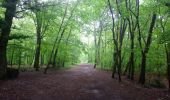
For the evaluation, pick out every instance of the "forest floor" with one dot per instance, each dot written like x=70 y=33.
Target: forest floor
x=81 y=82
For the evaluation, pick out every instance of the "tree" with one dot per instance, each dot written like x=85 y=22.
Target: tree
x=164 y=37
x=41 y=20
x=145 y=50
x=118 y=37
x=6 y=24
x=65 y=22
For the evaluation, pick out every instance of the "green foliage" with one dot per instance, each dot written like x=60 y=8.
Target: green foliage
x=48 y=15
x=19 y=37
x=165 y=37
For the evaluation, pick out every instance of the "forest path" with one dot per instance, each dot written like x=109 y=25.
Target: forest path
x=81 y=82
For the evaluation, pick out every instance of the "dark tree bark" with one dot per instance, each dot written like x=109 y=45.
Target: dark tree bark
x=126 y=69
x=133 y=22
x=10 y=6
x=168 y=62
x=114 y=66
x=38 y=48
x=143 y=66
x=146 y=49
x=114 y=40
x=131 y=59
x=123 y=26
x=118 y=38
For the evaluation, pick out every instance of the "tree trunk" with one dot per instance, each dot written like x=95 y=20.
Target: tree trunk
x=3 y=60
x=132 y=29
x=37 y=53
x=95 y=43
x=114 y=64
x=146 y=50
x=126 y=69
x=55 y=56
x=42 y=59
x=9 y=14
x=132 y=57
x=114 y=40
x=168 y=62
x=57 y=48
x=143 y=65
x=119 y=64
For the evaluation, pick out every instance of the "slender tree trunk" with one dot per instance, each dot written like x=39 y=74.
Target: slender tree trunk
x=114 y=66
x=62 y=33
x=55 y=42
x=95 y=43
x=38 y=50
x=132 y=29
x=143 y=65
x=50 y=59
x=10 y=6
x=57 y=48
x=126 y=69
x=42 y=59
x=119 y=64
x=129 y=70
x=167 y=47
x=123 y=26
x=132 y=57
x=115 y=56
x=55 y=56
x=3 y=61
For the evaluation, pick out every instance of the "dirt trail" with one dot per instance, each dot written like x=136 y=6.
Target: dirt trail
x=79 y=83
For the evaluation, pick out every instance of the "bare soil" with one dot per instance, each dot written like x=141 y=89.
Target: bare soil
x=81 y=82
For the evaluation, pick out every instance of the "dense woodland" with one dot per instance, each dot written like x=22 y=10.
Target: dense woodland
x=128 y=37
